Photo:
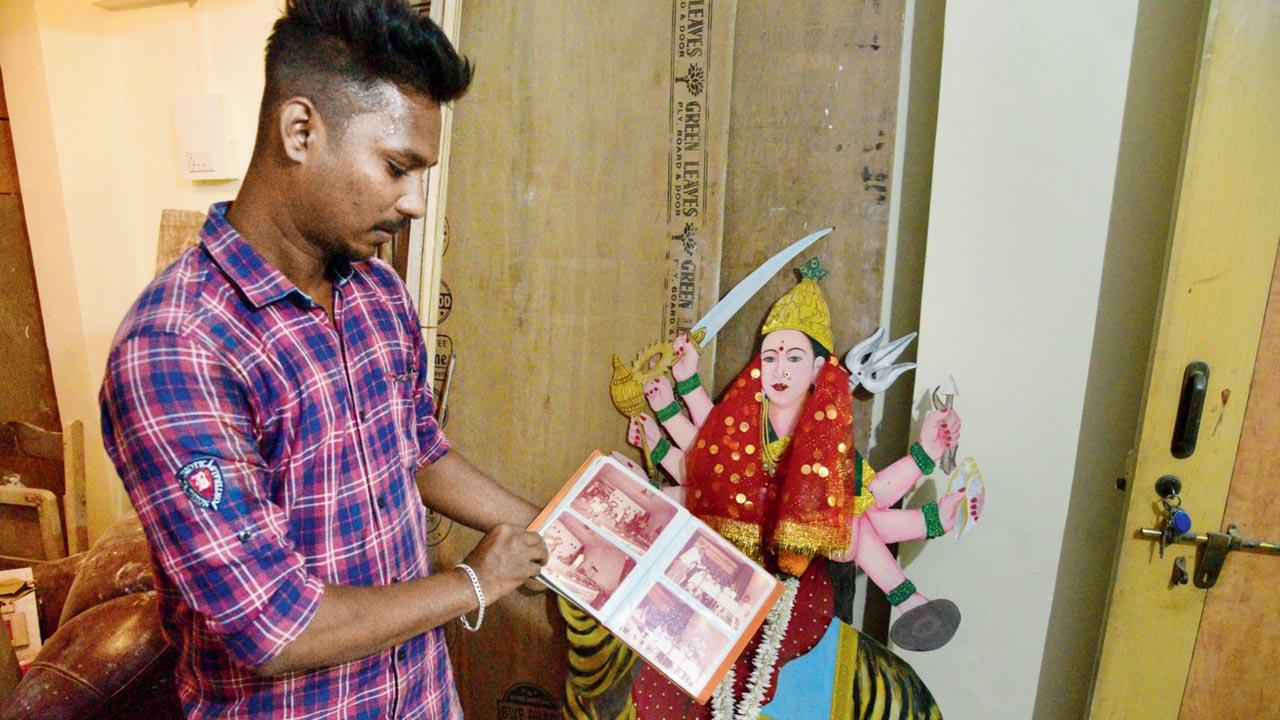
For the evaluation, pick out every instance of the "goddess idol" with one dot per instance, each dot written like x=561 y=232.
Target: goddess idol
x=773 y=468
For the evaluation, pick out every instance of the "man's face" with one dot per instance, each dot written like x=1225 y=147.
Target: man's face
x=369 y=177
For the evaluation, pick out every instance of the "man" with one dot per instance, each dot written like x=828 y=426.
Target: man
x=267 y=406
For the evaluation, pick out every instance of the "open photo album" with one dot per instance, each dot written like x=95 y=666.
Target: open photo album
x=652 y=574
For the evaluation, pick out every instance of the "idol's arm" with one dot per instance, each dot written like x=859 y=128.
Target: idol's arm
x=939 y=431
x=685 y=367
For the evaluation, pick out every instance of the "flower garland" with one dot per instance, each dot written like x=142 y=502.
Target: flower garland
x=775 y=628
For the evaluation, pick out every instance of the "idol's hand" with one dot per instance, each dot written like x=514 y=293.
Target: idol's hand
x=506 y=558
x=659 y=393
x=686 y=352
x=947 y=508
x=628 y=462
x=643 y=432
x=940 y=432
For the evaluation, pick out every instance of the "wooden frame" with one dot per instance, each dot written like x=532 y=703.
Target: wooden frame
x=21 y=439
x=49 y=518
x=427 y=236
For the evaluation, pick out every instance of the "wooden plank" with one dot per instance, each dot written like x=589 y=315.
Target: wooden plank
x=1238 y=647
x=811 y=142
x=1213 y=302
x=426 y=253
x=25 y=361
x=75 y=502
x=8 y=163
x=20 y=438
x=560 y=217
x=179 y=230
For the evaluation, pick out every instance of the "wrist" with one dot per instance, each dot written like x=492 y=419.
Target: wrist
x=660 y=451
x=687 y=385
x=473 y=579
x=671 y=410
x=466 y=582
x=924 y=461
x=932 y=449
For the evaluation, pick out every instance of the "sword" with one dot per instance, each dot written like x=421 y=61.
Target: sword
x=706 y=329
x=626 y=387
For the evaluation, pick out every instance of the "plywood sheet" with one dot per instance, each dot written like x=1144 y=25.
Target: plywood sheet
x=582 y=152
x=815 y=94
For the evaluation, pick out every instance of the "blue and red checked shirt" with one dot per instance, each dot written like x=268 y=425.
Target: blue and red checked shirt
x=268 y=452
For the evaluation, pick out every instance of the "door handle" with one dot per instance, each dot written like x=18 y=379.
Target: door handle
x=1186 y=427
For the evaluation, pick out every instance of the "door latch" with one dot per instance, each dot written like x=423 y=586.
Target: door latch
x=1212 y=550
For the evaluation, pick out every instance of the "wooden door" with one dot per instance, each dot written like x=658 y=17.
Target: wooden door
x=1172 y=650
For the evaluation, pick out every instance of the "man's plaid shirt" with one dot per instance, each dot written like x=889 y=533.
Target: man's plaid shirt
x=270 y=452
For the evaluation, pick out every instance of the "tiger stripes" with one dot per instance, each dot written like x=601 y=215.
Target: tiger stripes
x=601 y=669
x=886 y=688
x=597 y=685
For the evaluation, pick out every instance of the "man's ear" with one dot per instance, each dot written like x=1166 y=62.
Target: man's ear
x=300 y=128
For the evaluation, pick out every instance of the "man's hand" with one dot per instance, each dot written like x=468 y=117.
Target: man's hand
x=506 y=558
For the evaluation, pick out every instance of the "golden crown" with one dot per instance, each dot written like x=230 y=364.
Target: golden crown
x=803 y=308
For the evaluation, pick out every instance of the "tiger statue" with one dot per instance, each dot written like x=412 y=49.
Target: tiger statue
x=601 y=669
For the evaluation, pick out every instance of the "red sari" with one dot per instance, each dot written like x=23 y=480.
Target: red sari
x=805 y=506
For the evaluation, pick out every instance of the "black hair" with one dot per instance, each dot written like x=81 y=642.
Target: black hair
x=818 y=350
x=329 y=51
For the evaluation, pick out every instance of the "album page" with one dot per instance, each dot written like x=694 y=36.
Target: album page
x=651 y=573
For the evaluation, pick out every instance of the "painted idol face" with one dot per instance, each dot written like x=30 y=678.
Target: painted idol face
x=788 y=367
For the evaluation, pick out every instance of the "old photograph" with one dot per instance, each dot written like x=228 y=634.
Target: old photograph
x=624 y=506
x=726 y=585
x=673 y=636
x=582 y=563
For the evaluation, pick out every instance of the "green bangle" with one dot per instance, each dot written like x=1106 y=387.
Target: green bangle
x=689 y=384
x=660 y=451
x=669 y=411
x=923 y=461
x=901 y=593
x=932 y=524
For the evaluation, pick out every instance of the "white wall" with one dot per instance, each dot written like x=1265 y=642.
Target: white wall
x=89 y=93
x=1029 y=123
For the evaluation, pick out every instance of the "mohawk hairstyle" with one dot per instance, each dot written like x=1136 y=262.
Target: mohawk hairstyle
x=330 y=50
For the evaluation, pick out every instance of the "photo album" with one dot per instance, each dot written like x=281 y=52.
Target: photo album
x=652 y=574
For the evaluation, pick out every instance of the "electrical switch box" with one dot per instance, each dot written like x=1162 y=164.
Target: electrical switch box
x=207 y=147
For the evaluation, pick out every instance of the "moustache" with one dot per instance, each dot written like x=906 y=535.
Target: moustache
x=392 y=227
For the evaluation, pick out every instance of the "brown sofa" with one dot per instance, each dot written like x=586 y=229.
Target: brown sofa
x=104 y=654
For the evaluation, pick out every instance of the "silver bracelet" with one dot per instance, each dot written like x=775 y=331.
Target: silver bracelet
x=475 y=584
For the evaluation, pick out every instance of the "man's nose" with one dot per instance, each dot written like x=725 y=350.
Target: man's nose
x=413 y=204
